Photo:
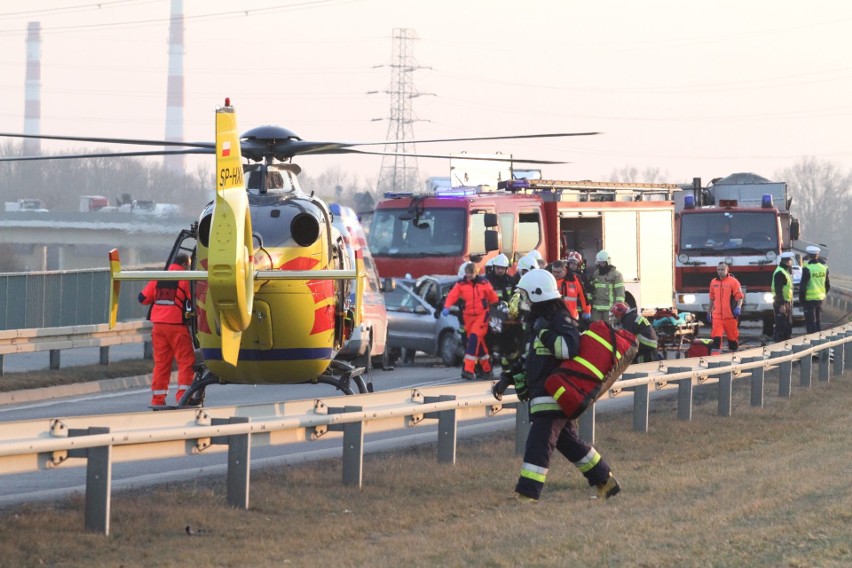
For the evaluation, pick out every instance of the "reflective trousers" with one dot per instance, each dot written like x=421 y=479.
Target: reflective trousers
x=171 y=341
x=549 y=431
x=476 y=350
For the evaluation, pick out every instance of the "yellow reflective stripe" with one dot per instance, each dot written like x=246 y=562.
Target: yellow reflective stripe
x=589 y=366
x=589 y=461
x=534 y=472
x=559 y=392
x=599 y=339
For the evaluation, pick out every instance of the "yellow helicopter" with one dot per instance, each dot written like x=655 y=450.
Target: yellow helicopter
x=270 y=274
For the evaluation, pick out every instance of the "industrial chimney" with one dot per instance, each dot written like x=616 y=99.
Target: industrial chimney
x=174 y=90
x=32 y=91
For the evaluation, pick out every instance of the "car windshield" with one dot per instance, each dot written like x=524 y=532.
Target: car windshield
x=428 y=232
x=400 y=298
x=749 y=232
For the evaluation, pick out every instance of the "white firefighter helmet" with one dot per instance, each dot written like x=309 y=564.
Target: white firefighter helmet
x=500 y=261
x=602 y=256
x=527 y=262
x=540 y=286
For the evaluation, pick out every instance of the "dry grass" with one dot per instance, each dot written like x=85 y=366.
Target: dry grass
x=76 y=374
x=767 y=487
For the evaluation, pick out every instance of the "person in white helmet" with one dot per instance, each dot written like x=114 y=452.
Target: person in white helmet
x=499 y=277
x=553 y=339
x=527 y=262
x=606 y=287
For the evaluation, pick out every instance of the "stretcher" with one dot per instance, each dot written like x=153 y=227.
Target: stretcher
x=676 y=332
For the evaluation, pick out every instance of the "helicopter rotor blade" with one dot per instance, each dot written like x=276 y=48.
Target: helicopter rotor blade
x=128 y=141
x=107 y=155
x=494 y=158
x=479 y=138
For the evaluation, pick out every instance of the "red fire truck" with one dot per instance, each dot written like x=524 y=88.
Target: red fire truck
x=413 y=235
x=743 y=220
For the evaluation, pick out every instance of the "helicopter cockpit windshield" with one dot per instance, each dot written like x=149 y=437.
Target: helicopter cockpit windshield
x=274 y=178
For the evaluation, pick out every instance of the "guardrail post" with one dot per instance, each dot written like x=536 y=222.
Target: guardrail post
x=847 y=348
x=148 y=350
x=522 y=426
x=758 y=375
x=587 y=424
x=805 y=367
x=641 y=402
x=447 y=428
x=785 y=376
x=684 y=393
x=839 y=357
x=104 y=355
x=98 y=479
x=353 y=450
x=823 y=362
x=1 y=365
x=725 y=389
x=55 y=356
x=239 y=461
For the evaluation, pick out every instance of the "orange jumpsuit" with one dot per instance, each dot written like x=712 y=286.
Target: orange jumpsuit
x=477 y=296
x=572 y=293
x=724 y=294
x=169 y=337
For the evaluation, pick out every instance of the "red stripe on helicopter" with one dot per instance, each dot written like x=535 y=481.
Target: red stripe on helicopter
x=322 y=292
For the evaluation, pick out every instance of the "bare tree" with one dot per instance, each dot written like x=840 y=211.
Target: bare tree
x=631 y=174
x=820 y=194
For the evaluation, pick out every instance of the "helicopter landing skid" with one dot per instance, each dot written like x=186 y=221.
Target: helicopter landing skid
x=194 y=395
x=348 y=374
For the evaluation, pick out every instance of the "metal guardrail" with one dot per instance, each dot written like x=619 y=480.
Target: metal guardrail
x=99 y=441
x=56 y=339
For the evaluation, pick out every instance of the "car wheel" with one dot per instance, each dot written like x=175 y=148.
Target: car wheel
x=383 y=361
x=448 y=349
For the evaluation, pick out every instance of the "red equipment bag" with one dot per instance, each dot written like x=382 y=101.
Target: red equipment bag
x=700 y=348
x=581 y=380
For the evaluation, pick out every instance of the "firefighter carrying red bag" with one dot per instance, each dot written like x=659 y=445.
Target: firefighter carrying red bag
x=579 y=381
x=553 y=342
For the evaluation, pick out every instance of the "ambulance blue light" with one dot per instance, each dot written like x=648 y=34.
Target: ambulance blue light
x=398 y=194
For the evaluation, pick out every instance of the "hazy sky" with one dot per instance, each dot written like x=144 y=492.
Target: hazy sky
x=696 y=89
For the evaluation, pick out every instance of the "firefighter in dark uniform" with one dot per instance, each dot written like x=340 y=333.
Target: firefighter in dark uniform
x=631 y=320
x=553 y=338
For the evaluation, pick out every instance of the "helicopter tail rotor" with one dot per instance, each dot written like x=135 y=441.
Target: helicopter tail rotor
x=230 y=272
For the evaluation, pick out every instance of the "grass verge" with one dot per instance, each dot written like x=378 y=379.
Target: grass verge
x=769 y=486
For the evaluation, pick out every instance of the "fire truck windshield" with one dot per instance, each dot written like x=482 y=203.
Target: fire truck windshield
x=431 y=232
x=747 y=231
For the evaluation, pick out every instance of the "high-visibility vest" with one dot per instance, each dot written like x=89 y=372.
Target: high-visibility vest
x=787 y=290
x=816 y=283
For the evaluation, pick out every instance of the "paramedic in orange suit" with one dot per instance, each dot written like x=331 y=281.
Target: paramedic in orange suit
x=726 y=302
x=170 y=334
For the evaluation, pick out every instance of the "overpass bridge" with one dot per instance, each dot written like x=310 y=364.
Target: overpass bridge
x=68 y=241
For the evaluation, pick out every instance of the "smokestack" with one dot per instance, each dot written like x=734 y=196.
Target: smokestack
x=32 y=91
x=174 y=90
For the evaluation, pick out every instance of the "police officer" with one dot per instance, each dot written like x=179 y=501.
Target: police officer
x=607 y=287
x=813 y=288
x=553 y=339
x=782 y=298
